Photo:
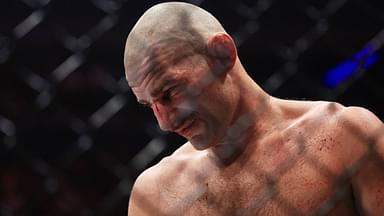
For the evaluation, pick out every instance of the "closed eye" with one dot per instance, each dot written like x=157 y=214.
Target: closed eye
x=145 y=103
x=168 y=94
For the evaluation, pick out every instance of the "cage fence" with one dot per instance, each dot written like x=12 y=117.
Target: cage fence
x=73 y=137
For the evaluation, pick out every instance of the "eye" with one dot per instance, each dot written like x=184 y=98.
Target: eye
x=170 y=94
x=145 y=104
x=167 y=95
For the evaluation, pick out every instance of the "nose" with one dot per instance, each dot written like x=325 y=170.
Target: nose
x=163 y=115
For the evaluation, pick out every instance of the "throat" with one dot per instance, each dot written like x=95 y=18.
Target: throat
x=231 y=149
x=241 y=137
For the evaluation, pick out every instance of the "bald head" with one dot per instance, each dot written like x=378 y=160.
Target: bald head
x=174 y=25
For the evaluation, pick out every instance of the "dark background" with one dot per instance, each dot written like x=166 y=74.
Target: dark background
x=72 y=137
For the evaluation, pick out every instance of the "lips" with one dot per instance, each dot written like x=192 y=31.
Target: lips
x=185 y=129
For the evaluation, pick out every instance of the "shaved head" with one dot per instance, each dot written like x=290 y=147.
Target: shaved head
x=174 y=28
x=180 y=62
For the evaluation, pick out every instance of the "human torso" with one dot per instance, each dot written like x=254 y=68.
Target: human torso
x=294 y=171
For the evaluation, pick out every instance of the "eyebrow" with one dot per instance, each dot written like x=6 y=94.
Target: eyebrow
x=160 y=87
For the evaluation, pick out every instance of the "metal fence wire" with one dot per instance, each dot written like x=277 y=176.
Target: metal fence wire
x=73 y=137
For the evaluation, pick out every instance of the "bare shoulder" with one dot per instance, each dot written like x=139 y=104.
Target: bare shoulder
x=364 y=133
x=357 y=123
x=326 y=107
x=147 y=195
x=363 y=127
x=308 y=110
x=360 y=118
x=143 y=192
x=352 y=131
x=350 y=121
x=350 y=127
x=354 y=141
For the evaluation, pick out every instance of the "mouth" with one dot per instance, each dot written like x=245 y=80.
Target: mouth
x=185 y=129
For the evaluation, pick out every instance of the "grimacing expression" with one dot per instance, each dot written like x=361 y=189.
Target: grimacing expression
x=183 y=93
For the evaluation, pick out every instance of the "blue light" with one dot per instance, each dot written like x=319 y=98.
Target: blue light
x=363 y=52
x=363 y=58
x=370 y=60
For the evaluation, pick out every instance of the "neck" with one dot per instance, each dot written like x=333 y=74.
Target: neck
x=253 y=113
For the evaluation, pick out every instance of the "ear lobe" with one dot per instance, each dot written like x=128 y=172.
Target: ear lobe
x=222 y=52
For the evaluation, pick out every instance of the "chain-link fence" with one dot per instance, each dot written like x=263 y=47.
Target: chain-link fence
x=73 y=137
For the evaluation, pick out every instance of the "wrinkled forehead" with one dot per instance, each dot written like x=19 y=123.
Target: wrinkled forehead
x=136 y=71
x=155 y=59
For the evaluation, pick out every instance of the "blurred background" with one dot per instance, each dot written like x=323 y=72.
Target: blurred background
x=72 y=137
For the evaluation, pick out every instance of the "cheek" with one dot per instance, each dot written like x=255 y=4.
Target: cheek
x=211 y=109
x=216 y=101
x=185 y=105
x=220 y=109
x=211 y=100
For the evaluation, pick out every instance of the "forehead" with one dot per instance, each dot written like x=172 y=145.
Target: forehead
x=157 y=82
x=160 y=59
x=140 y=61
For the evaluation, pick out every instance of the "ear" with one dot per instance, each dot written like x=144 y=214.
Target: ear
x=222 y=52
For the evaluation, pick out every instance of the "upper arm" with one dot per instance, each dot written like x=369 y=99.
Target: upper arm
x=135 y=206
x=153 y=191
x=143 y=194
x=366 y=133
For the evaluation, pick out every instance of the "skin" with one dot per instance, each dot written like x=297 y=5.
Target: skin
x=248 y=153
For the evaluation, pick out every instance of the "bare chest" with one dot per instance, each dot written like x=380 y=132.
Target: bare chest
x=265 y=194
x=280 y=182
x=287 y=176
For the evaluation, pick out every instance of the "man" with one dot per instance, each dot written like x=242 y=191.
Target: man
x=248 y=153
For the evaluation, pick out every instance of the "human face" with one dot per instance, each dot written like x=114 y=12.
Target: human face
x=185 y=96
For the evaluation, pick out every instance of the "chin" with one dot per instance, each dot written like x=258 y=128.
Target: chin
x=201 y=142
